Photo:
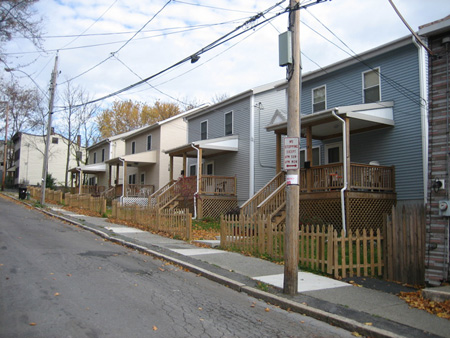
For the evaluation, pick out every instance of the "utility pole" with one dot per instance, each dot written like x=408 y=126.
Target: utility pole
x=290 y=285
x=49 y=129
x=5 y=151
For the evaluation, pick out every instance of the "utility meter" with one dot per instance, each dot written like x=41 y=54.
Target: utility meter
x=444 y=208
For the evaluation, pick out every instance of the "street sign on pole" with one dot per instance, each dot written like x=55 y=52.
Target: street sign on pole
x=291 y=153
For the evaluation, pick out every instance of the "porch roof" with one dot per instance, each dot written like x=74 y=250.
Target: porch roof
x=90 y=168
x=324 y=125
x=144 y=158
x=210 y=147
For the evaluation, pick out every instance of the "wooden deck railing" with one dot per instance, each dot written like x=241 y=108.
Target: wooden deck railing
x=363 y=177
x=139 y=190
x=251 y=206
x=170 y=194
x=218 y=185
x=275 y=202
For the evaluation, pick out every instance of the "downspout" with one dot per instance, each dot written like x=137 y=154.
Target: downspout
x=423 y=114
x=123 y=183
x=251 y=177
x=344 y=146
x=196 y=193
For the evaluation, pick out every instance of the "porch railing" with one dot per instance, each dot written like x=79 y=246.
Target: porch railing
x=139 y=190
x=218 y=185
x=250 y=207
x=364 y=177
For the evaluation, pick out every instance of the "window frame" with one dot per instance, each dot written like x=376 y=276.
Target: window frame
x=225 y=123
x=364 y=89
x=133 y=147
x=149 y=144
x=132 y=179
x=205 y=122
x=103 y=155
x=94 y=158
x=324 y=101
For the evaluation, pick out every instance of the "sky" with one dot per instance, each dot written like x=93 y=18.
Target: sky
x=107 y=45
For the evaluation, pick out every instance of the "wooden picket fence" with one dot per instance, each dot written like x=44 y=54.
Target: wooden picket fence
x=86 y=202
x=176 y=222
x=55 y=196
x=320 y=247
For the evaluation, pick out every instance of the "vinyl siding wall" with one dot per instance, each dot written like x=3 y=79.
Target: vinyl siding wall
x=233 y=163
x=400 y=145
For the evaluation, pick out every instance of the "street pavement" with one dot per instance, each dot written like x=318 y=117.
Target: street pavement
x=372 y=312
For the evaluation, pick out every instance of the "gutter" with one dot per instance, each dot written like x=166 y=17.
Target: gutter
x=344 y=147
x=196 y=193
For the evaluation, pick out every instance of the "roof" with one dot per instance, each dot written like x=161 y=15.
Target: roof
x=210 y=147
x=143 y=158
x=435 y=27
x=323 y=124
x=90 y=168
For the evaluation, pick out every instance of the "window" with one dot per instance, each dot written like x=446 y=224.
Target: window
x=371 y=86
x=132 y=179
x=142 y=178
x=149 y=142
x=315 y=157
x=103 y=155
x=95 y=158
x=193 y=170
x=133 y=147
x=319 y=99
x=209 y=168
x=204 y=130
x=229 y=123
x=333 y=153
x=55 y=140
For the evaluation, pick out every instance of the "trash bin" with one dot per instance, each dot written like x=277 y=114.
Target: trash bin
x=22 y=193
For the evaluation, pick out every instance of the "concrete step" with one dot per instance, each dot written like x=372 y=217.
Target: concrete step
x=437 y=294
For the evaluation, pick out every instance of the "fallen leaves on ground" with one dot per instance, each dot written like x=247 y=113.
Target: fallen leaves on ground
x=416 y=300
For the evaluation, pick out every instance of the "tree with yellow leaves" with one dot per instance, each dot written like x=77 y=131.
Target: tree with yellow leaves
x=127 y=115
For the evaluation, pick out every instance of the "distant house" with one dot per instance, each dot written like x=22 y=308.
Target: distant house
x=96 y=174
x=29 y=158
x=437 y=258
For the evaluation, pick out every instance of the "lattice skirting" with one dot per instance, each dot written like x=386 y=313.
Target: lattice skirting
x=363 y=210
x=215 y=206
x=135 y=201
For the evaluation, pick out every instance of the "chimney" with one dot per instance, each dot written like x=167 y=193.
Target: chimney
x=79 y=140
x=53 y=131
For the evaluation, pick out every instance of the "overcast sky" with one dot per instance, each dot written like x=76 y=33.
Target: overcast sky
x=100 y=51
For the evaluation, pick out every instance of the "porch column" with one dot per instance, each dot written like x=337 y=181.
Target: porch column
x=124 y=185
x=184 y=164
x=278 y=153
x=171 y=169
x=109 y=175
x=347 y=146
x=309 y=155
x=117 y=174
x=199 y=169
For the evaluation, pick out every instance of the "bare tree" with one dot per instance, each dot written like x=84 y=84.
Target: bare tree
x=77 y=121
x=18 y=19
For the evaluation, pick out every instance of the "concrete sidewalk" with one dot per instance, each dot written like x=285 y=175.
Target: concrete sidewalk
x=369 y=312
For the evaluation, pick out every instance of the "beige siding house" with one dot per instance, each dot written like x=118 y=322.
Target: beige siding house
x=29 y=158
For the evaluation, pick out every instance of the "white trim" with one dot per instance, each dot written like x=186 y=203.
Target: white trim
x=378 y=69
x=225 y=123
x=312 y=97
x=333 y=145
x=207 y=131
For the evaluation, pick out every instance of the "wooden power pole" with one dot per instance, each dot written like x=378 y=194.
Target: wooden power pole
x=290 y=285
x=49 y=129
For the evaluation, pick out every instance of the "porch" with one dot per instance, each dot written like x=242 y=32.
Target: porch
x=214 y=195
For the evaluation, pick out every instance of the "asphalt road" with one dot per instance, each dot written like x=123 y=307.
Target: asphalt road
x=57 y=280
